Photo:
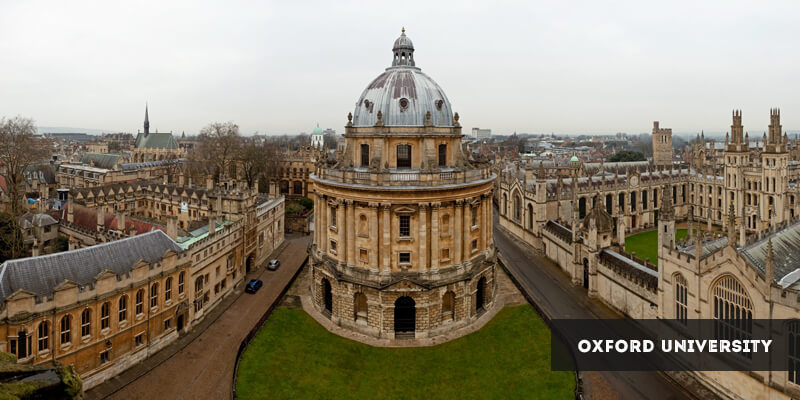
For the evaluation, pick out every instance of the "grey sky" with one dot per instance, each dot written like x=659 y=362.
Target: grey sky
x=283 y=66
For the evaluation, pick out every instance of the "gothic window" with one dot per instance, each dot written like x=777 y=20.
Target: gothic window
x=608 y=203
x=105 y=312
x=404 y=156
x=530 y=216
x=733 y=310
x=442 y=155
x=505 y=204
x=123 y=308
x=633 y=201
x=44 y=336
x=644 y=200
x=365 y=155
x=681 y=303
x=66 y=328
x=793 y=336
x=517 y=208
x=140 y=302
x=405 y=225
x=621 y=202
x=86 y=322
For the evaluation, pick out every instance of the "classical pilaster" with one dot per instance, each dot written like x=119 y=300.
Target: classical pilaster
x=340 y=231
x=422 y=242
x=467 y=226
x=435 y=253
x=458 y=222
x=350 y=226
x=386 y=245
x=484 y=219
x=373 y=235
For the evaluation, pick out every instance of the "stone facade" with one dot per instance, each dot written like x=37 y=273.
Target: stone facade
x=662 y=145
x=403 y=226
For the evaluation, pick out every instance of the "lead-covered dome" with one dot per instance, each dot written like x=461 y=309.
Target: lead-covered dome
x=403 y=94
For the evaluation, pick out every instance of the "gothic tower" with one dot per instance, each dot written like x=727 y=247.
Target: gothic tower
x=736 y=159
x=774 y=167
x=662 y=145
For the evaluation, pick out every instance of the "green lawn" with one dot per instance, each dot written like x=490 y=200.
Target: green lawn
x=293 y=357
x=645 y=244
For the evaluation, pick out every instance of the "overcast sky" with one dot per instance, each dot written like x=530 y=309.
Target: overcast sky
x=282 y=66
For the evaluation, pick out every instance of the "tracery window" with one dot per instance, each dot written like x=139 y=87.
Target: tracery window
x=681 y=295
x=66 y=328
x=733 y=310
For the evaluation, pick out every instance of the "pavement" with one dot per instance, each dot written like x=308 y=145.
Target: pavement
x=556 y=296
x=200 y=364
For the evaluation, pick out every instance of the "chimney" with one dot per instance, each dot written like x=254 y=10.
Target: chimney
x=121 y=222
x=172 y=227
x=70 y=217
x=101 y=218
x=35 y=250
x=180 y=180
x=212 y=225
x=72 y=242
x=210 y=183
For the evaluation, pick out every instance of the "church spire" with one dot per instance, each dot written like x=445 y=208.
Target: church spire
x=146 y=121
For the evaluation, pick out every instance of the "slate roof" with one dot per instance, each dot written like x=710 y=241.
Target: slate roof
x=785 y=250
x=41 y=275
x=87 y=218
x=28 y=220
x=155 y=140
x=106 y=161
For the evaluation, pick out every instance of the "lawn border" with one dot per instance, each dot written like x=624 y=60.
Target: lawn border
x=257 y=327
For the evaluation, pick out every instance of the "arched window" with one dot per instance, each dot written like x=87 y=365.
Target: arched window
x=198 y=285
x=154 y=295
x=530 y=216
x=168 y=289
x=681 y=301
x=442 y=155
x=140 y=302
x=66 y=329
x=123 y=308
x=517 y=208
x=505 y=204
x=180 y=283
x=360 y=307
x=105 y=315
x=733 y=310
x=86 y=322
x=44 y=336
x=448 y=306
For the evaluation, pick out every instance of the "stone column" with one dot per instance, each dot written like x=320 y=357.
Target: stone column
x=323 y=229
x=422 y=240
x=457 y=222
x=350 y=226
x=484 y=219
x=386 y=247
x=435 y=253
x=373 y=235
x=467 y=223
x=341 y=251
x=489 y=219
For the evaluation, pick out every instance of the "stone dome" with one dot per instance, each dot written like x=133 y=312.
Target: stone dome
x=317 y=131
x=403 y=94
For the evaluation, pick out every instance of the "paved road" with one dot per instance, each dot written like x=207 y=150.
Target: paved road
x=204 y=368
x=553 y=292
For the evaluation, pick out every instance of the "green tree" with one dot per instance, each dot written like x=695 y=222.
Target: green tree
x=627 y=156
x=307 y=203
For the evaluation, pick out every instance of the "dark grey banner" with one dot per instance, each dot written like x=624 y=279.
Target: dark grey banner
x=671 y=345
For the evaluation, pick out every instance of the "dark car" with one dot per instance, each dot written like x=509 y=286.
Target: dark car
x=253 y=286
x=273 y=264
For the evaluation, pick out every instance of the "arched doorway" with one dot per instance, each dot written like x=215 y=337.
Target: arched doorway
x=327 y=296
x=479 y=295
x=405 y=317
x=585 y=273
x=248 y=264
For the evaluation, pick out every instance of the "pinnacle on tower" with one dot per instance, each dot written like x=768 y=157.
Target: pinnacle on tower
x=146 y=121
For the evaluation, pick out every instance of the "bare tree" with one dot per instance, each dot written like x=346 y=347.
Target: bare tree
x=19 y=149
x=11 y=240
x=219 y=143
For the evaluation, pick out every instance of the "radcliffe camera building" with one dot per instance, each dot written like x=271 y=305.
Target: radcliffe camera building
x=403 y=246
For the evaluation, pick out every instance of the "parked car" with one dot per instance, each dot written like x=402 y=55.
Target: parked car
x=273 y=264
x=253 y=286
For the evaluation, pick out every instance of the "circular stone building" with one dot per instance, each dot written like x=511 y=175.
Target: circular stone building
x=403 y=241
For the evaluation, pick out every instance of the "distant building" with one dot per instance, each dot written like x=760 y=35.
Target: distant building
x=317 y=138
x=153 y=146
x=481 y=134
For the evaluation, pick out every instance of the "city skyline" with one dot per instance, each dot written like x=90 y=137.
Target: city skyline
x=276 y=69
